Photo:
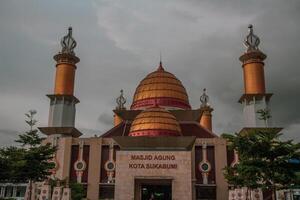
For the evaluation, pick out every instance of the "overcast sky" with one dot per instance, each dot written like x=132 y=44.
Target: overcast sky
x=119 y=43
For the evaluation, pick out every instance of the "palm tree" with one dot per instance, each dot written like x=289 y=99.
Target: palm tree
x=264 y=115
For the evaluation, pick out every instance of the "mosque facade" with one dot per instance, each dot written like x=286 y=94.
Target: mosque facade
x=160 y=147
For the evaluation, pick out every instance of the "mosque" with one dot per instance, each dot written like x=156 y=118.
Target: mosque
x=160 y=148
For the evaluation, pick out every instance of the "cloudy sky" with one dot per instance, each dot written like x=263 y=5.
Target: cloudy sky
x=119 y=43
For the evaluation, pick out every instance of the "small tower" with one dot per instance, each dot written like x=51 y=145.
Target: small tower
x=206 y=118
x=120 y=107
x=255 y=100
x=62 y=101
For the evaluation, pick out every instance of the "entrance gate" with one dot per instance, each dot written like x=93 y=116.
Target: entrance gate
x=156 y=192
x=153 y=189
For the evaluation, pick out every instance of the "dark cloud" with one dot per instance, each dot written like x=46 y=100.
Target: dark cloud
x=106 y=119
x=119 y=43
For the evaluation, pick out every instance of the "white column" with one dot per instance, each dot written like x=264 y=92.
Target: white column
x=2 y=190
x=14 y=191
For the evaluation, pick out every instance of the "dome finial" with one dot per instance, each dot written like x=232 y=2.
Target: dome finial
x=251 y=41
x=160 y=67
x=160 y=56
x=204 y=99
x=121 y=101
x=68 y=43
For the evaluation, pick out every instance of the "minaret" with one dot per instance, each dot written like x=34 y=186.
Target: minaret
x=206 y=118
x=62 y=101
x=255 y=100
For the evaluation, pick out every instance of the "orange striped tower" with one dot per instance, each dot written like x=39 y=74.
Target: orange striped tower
x=255 y=100
x=62 y=101
x=206 y=118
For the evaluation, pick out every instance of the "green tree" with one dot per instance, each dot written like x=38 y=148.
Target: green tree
x=263 y=160
x=264 y=114
x=77 y=191
x=11 y=161
x=30 y=161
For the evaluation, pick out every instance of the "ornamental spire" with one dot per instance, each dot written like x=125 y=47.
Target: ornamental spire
x=121 y=101
x=251 y=41
x=68 y=43
x=204 y=99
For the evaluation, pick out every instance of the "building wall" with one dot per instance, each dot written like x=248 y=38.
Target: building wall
x=97 y=153
x=127 y=173
x=94 y=168
x=63 y=157
x=217 y=157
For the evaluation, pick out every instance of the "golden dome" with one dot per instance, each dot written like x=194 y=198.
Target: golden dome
x=160 y=88
x=155 y=121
